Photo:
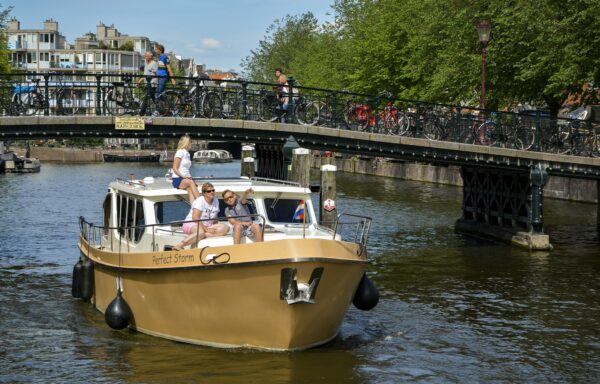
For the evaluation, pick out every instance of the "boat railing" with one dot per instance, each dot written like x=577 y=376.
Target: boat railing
x=356 y=227
x=102 y=237
x=276 y=181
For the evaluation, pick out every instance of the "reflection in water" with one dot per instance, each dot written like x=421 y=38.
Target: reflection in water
x=452 y=308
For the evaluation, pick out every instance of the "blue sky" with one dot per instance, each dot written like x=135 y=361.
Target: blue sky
x=216 y=33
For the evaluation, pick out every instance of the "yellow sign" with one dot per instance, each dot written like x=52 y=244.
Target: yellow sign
x=129 y=123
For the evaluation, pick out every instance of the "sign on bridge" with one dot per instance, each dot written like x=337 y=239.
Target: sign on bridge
x=129 y=123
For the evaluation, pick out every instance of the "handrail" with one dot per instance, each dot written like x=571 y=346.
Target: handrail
x=93 y=233
x=361 y=234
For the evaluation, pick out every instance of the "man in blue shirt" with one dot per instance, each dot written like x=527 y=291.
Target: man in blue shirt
x=164 y=71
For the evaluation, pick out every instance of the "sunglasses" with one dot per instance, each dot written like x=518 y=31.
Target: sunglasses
x=208 y=191
x=228 y=197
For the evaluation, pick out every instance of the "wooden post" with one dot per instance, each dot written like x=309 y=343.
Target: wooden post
x=598 y=203
x=327 y=203
x=247 y=161
x=300 y=171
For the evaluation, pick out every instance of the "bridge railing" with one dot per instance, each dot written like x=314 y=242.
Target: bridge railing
x=49 y=94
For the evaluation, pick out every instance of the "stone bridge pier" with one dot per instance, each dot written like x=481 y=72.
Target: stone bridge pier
x=506 y=205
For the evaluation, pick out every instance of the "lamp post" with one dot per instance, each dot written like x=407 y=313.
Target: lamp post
x=483 y=30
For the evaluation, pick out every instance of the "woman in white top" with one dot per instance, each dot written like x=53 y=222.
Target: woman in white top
x=182 y=178
x=204 y=211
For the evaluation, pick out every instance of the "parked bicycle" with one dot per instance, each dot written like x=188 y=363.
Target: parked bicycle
x=124 y=97
x=28 y=100
x=190 y=101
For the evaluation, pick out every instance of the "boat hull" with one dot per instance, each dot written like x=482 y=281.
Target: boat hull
x=235 y=304
x=109 y=158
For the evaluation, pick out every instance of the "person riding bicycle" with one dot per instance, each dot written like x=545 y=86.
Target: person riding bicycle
x=282 y=88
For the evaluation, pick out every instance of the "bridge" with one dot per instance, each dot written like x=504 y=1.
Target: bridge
x=505 y=158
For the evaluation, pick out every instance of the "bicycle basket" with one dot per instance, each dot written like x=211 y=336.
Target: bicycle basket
x=19 y=89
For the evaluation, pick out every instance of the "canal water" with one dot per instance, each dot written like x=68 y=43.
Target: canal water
x=452 y=309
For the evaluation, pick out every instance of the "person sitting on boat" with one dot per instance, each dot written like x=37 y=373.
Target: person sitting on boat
x=182 y=177
x=243 y=225
x=204 y=212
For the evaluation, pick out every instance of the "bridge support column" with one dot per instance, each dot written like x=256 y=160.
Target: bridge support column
x=504 y=205
x=270 y=161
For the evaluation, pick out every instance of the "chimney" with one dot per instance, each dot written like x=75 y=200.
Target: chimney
x=51 y=25
x=100 y=31
x=14 y=24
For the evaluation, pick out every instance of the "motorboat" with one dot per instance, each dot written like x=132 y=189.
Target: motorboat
x=288 y=292
x=10 y=162
x=131 y=158
x=212 y=156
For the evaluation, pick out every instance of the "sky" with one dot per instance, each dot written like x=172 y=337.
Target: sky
x=216 y=33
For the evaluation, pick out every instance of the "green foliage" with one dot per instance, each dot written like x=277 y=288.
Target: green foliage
x=539 y=52
x=127 y=46
x=4 y=52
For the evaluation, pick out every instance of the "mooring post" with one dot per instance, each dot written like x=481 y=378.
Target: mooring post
x=327 y=203
x=300 y=172
x=538 y=178
x=247 y=161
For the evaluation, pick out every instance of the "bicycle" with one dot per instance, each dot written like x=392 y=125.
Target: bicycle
x=358 y=116
x=181 y=102
x=120 y=99
x=271 y=109
x=27 y=100
x=391 y=120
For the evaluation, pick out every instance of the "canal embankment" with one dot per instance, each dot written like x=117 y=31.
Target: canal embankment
x=557 y=187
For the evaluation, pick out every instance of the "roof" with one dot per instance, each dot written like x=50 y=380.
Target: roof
x=161 y=186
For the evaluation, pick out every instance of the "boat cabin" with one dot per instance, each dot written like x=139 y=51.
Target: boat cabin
x=147 y=215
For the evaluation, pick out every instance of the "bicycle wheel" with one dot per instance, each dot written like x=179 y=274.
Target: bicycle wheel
x=307 y=113
x=325 y=114
x=431 y=129
x=113 y=102
x=33 y=104
x=166 y=105
x=16 y=105
x=267 y=109
x=67 y=102
x=486 y=134
x=212 y=105
x=387 y=124
x=523 y=137
x=403 y=124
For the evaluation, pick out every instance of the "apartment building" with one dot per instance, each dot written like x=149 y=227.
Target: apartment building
x=46 y=49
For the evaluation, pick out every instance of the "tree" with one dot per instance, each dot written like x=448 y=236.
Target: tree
x=4 y=52
x=127 y=46
x=539 y=53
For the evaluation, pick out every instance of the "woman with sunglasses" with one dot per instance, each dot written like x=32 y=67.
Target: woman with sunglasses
x=204 y=213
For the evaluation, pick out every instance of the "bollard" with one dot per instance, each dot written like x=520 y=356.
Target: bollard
x=327 y=203
x=247 y=161
x=300 y=172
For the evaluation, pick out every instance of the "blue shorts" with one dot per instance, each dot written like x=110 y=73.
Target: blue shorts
x=177 y=181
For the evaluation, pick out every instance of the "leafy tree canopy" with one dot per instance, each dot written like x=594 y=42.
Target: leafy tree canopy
x=539 y=52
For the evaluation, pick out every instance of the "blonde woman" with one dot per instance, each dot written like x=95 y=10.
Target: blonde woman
x=182 y=177
x=205 y=213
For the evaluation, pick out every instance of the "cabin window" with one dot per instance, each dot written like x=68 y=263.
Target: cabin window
x=286 y=210
x=130 y=217
x=171 y=211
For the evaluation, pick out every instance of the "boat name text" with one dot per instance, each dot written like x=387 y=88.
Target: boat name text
x=172 y=259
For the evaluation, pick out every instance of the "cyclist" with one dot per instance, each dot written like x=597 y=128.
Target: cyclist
x=282 y=88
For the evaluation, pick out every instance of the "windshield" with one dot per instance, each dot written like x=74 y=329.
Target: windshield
x=286 y=211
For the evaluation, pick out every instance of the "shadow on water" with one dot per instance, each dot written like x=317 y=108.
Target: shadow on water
x=452 y=308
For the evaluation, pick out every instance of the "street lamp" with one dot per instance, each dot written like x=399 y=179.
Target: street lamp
x=483 y=30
